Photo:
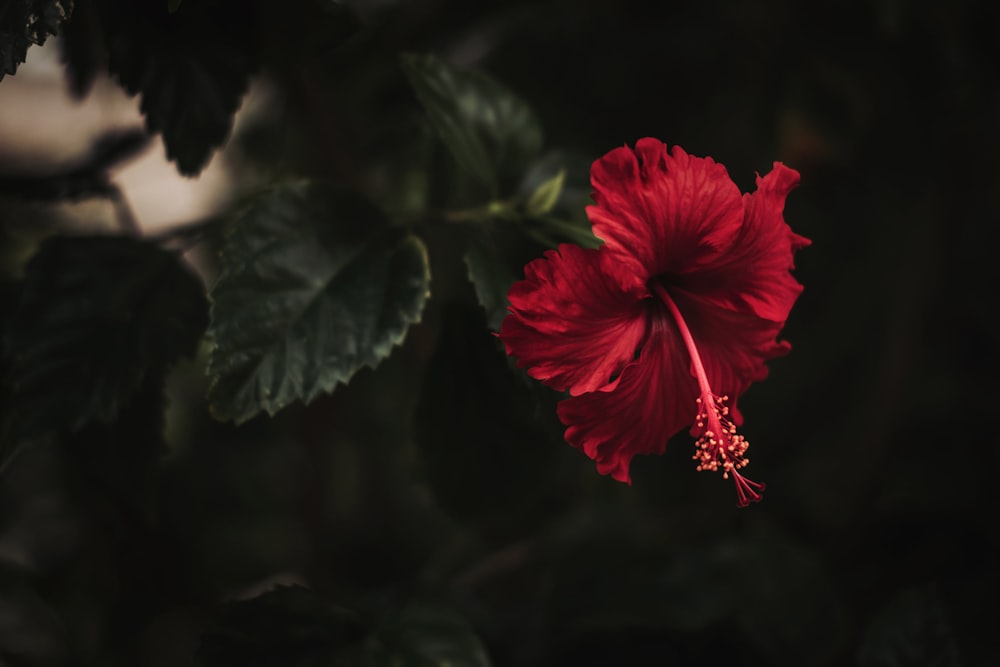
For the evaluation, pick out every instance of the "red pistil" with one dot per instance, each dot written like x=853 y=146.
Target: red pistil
x=719 y=447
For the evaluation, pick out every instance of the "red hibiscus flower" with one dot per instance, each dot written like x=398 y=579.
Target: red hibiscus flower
x=671 y=319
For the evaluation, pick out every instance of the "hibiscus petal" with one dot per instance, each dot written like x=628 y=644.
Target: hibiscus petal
x=652 y=399
x=663 y=212
x=754 y=275
x=733 y=346
x=571 y=324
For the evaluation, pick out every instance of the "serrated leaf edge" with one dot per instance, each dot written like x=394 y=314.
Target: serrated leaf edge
x=380 y=352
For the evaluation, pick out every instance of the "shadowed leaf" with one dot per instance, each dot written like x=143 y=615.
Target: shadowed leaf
x=97 y=318
x=491 y=132
x=191 y=66
x=81 y=49
x=491 y=277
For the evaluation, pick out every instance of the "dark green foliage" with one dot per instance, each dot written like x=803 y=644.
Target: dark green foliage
x=564 y=178
x=491 y=132
x=546 y=210
x=312 y=288
x=27 y=22
x=191 y=66
x=491 y=277
x=97 y=318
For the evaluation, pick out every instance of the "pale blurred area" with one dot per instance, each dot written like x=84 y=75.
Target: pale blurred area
x=44 y=128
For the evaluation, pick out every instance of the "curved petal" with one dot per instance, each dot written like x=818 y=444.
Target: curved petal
x=570 y=323
x=663 y=213
x=652 y=399
x=733 y=346
x=753 y=277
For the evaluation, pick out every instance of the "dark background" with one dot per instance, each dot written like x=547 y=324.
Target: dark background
x=442 y=475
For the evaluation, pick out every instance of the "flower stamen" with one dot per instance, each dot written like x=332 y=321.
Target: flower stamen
x=719 y=446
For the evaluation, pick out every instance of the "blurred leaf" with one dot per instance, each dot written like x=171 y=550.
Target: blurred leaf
x=173 y=5
x=565 y=219
x=80 y=48
x=312 y=288
x=97 y=317
x=27 y=22
x=546 y=195
x=289 y=626
x=912 y=630
x=426 y=634
x=570 y=231
x=575 y=191
x=491 y=277
x=191 y=67
x=491 y=132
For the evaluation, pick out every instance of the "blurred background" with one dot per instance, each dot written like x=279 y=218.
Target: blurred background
x=441 y=475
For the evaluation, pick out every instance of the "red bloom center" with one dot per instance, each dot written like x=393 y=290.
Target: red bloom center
x=719 y=447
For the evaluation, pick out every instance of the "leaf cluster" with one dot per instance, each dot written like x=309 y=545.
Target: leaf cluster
x=312 y=283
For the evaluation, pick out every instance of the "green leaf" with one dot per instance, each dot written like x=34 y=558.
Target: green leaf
x=564 y=219
x=546 y=195
x=491 y=277
x=97 y=318
x=491 y=132
x=312 y=288
x=173 y=5
x=191 y=67
x=27 y=22
x=287 y=626
x=426 y=634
